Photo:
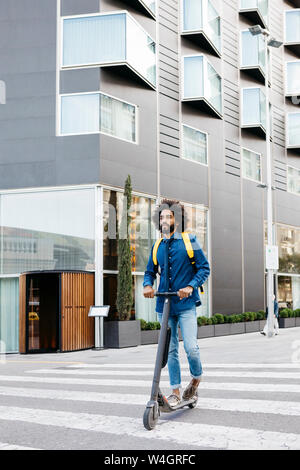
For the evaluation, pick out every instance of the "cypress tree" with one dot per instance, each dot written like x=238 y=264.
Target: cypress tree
x=124 y=292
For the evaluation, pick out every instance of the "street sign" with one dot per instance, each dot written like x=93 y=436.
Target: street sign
x=99 y=311
x=272 y=257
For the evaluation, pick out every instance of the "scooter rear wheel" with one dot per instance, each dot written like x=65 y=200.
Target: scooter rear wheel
x=194 y=404
x=149 y=419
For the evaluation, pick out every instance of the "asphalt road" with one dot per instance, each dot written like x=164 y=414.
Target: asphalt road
x=249 y=398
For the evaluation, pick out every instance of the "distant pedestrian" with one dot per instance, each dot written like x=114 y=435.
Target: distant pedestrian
x=276 y=315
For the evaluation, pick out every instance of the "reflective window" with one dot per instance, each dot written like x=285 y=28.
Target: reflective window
x=254 y=107
x=292 y=26
x=9 y=315
x=293 y=130
x=201 y=81
x=253 y=52
x=194 y=145
x=96 y=112
x=251 y=165
x=47 y=231
x=293 y=78
x=293 y=180
x=288 y=240
x=108 y=39
x=201 y=16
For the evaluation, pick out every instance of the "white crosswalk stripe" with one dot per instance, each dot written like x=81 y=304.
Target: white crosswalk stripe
x=185 y=373
x=6 y=446
x=100 y=385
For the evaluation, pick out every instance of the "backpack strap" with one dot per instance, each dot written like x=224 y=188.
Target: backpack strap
x=188 y=246
x=155 y=249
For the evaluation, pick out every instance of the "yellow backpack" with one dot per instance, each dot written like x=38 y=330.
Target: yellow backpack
x=188 y=247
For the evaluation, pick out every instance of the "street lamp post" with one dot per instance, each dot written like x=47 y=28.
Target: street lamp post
x=268 y=42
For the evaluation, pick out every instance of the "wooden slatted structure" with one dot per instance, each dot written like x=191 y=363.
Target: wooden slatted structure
x=77 y=295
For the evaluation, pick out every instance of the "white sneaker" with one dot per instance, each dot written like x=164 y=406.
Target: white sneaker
x=173 y=400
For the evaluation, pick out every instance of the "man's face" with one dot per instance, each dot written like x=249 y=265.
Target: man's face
x=167 y=221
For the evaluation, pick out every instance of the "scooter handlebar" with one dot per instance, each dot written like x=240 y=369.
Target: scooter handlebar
x=165 y=294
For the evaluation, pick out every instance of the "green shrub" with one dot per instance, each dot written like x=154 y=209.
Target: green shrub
x=260 y=315
x=297 y=312
x=202 y=321
x=217 y=318
x=246 y=316
x=209 y=321
x=252 y=316
x=143 y=324
x=231 y=319
x=239 y=318
x=285 y=313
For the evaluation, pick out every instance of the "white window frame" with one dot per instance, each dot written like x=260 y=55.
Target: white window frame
x=188 y=32
x=250 y=126
x=248 y=67
x=287 y=178
x=102 y=64
x=136 y=142
x=205 y=81
x=287 y=93
x=260 y=162
x=207 y=146
x=284 y=26
x=288 y=146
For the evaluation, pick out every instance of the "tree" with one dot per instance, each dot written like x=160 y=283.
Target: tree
x=124 y=289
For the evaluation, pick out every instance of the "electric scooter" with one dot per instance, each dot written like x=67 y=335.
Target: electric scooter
x=158 y=403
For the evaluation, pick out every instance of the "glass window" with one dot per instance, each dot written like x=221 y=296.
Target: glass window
x=108 y=39
x=293 y=129
x=293 y=78
x=251 y=165
x=288 y=240
x=51 y=230
x=260 y=5
x=201 y=16
x=292 y=26
x=96 y=112
x=293 y=180
x=194 y=145
x=80 y=113
x=254 y=107
x=9 y=315
x=201 y=81
x=253 y=52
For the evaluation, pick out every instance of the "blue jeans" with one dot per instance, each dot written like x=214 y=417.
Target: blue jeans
x=187 y=320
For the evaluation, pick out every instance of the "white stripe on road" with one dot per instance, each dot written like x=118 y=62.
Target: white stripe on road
x=164 y=373
x=242 y=365
x=6 y=446
x=241 y=405
x=244 y=387
x=200 y=435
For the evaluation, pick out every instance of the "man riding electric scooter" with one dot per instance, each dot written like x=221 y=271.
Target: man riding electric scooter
x=183 y=269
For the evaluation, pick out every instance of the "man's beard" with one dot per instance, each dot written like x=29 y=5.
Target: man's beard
x=167 y=228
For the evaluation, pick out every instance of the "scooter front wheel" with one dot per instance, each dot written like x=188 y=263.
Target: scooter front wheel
x=150 y=418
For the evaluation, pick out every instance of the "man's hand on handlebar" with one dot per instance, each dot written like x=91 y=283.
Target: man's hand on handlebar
x=185 y=292
x=149 y=292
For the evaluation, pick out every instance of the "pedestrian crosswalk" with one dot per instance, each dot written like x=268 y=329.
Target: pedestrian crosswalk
x=240 y=406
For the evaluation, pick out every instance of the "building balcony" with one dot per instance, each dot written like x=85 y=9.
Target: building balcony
x=295 y=3
x=256 y=11
x=109 y=40
x=293 y=131
x=254 y=111
x=201 y=23
x=145 y=6
x=202 y=85
x=253 y=61
x=293 y=78
x=292 y=30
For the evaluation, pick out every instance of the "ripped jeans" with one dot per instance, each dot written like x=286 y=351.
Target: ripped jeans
x=187 y=320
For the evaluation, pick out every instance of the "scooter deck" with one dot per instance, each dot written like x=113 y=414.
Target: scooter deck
x=164 y=406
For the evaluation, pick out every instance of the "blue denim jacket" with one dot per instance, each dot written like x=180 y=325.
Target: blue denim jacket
x=182 y=273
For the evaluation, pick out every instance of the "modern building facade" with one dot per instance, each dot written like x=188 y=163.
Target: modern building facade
x=171 y=92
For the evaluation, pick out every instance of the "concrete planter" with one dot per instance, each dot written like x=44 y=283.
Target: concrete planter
x=262 y=324
x=287 y=322
x=297 y=321
x=206 y=331
x=252 y=326
x=225 y=329
x=149 y=336
x=122 y=334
